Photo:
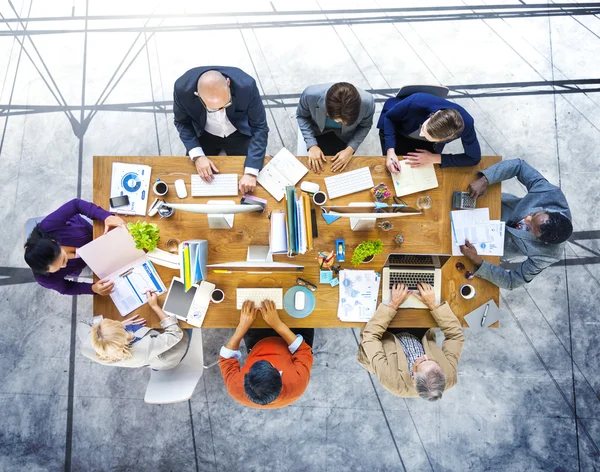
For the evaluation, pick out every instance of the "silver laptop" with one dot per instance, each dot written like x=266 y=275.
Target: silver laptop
x=410 y=269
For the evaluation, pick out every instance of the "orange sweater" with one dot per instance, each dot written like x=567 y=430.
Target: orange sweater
x=296 y=371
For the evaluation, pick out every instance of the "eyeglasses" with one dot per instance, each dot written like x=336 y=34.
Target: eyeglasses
x=214 y=110
x=468 y=274
x=306 y=283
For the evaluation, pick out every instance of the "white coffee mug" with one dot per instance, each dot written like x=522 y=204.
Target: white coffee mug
x=217 y=295
x=467 y=291
x=319 y=198
x=160 y=188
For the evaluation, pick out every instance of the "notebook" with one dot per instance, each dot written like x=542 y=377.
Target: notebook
x=474 y=318
x=414 y=179
x=283 y=170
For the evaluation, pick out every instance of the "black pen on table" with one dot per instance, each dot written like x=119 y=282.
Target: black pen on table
x=487 y=307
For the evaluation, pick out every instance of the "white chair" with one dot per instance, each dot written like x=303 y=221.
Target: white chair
x=437 y=90
x=301 y=145
x=29 y=225
x=178 y=384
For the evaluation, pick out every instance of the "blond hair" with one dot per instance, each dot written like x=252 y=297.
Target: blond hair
x=445 y=125
x=111 y=341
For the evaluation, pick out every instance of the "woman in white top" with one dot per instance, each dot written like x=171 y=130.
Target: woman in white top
x=129 y=344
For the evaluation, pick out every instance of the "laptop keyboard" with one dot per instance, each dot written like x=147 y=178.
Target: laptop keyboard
x=410 y=259
x=410 y=279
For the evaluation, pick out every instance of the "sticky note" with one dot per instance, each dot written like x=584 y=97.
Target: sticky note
x=334 y=282
x=325 y=276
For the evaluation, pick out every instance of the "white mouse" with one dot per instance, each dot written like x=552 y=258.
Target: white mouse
x=180 y=188
x=309 y=187
x=299 y=300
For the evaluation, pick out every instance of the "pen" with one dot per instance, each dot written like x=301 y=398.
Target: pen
x=487 y=307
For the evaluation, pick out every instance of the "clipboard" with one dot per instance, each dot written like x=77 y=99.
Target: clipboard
x=474 y=318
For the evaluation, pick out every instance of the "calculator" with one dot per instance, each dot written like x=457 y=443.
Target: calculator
x=462 y=201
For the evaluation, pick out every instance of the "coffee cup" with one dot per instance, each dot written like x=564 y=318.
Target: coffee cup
x=467 y=291
x=319 y=198
x=217 y=295
x=160 y=188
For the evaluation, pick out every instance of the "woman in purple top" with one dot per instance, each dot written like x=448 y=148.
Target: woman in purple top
x=50 y=249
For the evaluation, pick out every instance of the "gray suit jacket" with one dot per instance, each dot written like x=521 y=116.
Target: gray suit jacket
x=311 y=115
x=541 y=195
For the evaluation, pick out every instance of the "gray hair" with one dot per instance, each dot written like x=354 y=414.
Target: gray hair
x=430 y=384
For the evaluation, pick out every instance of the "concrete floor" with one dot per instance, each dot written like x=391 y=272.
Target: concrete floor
x=95 y=78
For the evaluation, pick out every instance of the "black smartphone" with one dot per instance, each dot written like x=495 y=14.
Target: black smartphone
x=116 y=202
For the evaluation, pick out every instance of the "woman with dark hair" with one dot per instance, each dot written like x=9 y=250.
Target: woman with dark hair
x=50 y=249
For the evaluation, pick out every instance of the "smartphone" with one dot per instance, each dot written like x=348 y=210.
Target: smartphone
x=116 y=202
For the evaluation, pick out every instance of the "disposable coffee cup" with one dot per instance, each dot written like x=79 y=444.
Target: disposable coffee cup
x=319 y=198
x=467 y=291
x=217 y=295
x=160 y=188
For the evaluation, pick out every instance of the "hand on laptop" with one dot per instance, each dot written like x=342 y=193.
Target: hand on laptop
x=399 y=295
x=426 y=295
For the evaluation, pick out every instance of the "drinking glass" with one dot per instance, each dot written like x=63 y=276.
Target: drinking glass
x=424 y=203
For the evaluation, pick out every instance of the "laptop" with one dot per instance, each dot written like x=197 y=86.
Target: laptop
x=411 y=269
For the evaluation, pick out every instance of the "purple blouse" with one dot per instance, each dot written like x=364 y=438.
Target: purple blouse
x=68 y=228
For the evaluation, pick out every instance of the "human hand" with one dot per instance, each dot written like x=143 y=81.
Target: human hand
x=269 y=313
x=205 y=168
x=478 y=187
x=248 y=316
x=152 y=299
x=426 y=295
x=316 y=158
x=399 y=295
x=247 y=183
x=341 y=159
x=470 y=252
x=134 y=320
x=112 y=221
x=422 y=157
x=103 y=287
x=391 y=162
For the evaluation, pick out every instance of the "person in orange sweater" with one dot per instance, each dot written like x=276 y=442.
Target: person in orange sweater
x=277 y=370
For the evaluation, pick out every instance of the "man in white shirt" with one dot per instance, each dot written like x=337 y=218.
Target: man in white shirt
x=219 y=108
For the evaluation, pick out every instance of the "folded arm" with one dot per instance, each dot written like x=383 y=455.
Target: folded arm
x=57 y=219
x=472 y=154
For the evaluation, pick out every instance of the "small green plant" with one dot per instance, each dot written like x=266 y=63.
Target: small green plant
x=145 y=235
x=366 y=249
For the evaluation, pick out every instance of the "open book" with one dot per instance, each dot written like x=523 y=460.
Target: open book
x=283 y=170
x=414 y=179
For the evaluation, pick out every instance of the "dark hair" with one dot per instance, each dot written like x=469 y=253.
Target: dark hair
x=41 y=250
x=342 y=101
x=262 y=383
x=556 y=229
x=446 y=124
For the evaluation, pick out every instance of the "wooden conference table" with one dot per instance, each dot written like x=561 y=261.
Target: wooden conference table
x=428 y=233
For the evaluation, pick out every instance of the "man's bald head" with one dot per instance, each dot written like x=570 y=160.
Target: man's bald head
x=213 y=89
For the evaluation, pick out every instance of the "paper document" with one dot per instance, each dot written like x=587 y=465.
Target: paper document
x=493 y=247
x=113 y=256
x=132 y=180
x=359 y=290
x=283 y=170
x=278 y=234
x=468 y=224
x=414 y=179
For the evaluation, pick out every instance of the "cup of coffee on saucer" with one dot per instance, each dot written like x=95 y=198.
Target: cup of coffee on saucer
x=160 y=188
x=467 y=291
x=217 y=296
x=319 y=198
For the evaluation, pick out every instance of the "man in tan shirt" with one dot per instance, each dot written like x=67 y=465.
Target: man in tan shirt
x=409 y=365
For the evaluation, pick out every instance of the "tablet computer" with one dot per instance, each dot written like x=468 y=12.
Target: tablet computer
x=179 y=302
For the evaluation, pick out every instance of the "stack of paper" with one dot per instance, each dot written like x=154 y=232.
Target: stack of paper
x=283 y=170
x=475 y=225
x=358 y=295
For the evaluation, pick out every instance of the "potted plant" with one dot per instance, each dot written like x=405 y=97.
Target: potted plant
x=145 y=235
x=366 y=251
